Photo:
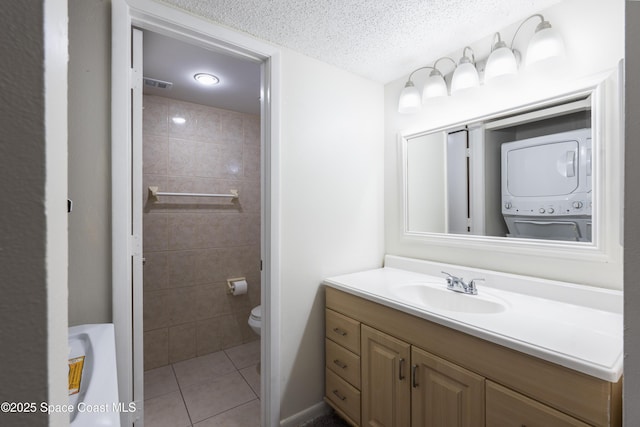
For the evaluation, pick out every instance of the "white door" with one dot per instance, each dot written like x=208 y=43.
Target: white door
x=126 y=215
x=136 y=225
x=458 y=183
x=126 y=196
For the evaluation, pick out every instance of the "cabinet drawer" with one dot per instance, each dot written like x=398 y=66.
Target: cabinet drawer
x=343 y=330
x=343 y=362
x=508 y=408
x=343 y=395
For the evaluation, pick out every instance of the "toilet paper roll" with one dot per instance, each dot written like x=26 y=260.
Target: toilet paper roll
x=238 y=287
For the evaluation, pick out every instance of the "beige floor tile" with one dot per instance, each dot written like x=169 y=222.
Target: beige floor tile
x=245 y=355
x=252 y=377
x=159 y=381
x=247 y=415
x=166 y=411
x=213 y=397
x=202 y=369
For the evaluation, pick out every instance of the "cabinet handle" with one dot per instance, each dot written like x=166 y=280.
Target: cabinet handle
x=340 y=364
x=414 y=376
x=340 y=331
x=341 y=397
x=401 y=369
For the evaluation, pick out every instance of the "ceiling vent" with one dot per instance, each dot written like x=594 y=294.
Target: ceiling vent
x=159 y=84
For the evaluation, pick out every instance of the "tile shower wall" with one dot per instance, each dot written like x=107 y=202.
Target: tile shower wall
x=193 y=245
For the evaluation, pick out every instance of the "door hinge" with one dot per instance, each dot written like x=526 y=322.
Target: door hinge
x=468 y=152
x=133 y=78
x=260 y=265
x=135 y=245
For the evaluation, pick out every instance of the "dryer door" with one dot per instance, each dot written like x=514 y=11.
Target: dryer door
x=549 y=169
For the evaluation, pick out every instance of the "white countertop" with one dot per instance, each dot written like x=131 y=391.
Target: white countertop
x=586 y=336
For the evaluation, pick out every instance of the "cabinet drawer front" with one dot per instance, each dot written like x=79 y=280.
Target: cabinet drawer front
x=343 y=395
x=343 y=362
x=508 y=408
x=343 y=330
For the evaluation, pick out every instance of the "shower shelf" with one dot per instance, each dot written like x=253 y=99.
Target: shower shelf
x=154 y=194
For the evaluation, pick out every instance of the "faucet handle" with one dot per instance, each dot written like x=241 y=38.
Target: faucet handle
x=450 y=276
x=472 y=285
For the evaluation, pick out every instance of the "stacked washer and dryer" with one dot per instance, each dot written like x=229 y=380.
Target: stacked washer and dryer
x=547 y=186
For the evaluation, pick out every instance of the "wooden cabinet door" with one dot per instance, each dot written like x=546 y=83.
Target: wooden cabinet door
x=508 y=408
x=386 y=393
x=444 y=394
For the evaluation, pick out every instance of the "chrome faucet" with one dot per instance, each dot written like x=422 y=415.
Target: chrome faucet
x=457 y=284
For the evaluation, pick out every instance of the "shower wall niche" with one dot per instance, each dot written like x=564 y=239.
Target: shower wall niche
x=193 y=245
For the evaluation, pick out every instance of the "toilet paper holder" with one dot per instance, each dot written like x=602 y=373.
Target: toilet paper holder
x=237 y=286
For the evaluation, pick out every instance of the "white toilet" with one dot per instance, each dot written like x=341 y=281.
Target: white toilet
x=255 y=319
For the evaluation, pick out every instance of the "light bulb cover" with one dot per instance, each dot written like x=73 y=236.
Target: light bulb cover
x=206 y=79
x=465 y=76
x=435 y=86
x=546 y=43
x=409 y=102
x=501 y=62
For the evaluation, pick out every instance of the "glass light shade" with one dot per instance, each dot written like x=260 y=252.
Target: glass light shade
x=435 y=87
x=465 y=76
x=501 y=62
x=206 y=79
x=409 y=102
x=545 y=43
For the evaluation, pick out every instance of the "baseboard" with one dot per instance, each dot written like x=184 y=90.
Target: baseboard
x=308 y=414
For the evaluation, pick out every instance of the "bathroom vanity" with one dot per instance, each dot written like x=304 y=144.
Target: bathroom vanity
x=403 y=350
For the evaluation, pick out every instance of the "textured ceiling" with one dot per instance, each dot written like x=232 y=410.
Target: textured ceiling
x=379 y=39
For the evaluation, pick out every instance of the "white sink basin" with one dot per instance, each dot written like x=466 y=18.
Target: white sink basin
x=436 y=296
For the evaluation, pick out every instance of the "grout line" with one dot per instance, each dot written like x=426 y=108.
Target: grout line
x=186 y=408
x=237 y=370
x=231 y=409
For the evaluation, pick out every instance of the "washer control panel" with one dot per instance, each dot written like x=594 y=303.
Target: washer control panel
x=573 y=206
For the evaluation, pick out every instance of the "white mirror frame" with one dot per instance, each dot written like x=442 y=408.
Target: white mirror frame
x=607 y=131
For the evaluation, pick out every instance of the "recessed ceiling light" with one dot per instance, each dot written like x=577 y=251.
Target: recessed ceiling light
x=179 y=120
x=206 y=79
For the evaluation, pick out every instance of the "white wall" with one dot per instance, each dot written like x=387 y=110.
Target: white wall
x=594 y=36
x=331 y=204
x=89 y=162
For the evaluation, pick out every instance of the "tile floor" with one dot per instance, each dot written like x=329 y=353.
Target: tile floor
x=217 y=390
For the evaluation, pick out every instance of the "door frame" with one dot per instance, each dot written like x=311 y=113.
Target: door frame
x=174 y=23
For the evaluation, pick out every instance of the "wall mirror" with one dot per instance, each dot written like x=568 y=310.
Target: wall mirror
x=533 y=176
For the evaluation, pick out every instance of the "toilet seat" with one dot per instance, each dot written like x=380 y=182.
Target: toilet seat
x=255 y=319
x=256 y=313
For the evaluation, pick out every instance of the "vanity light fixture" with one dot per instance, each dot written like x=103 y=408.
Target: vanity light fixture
x=546 y=42
x=206 y=79
x=435 y=87
x=501 y=62
x=465 y=75
x=409 y=102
